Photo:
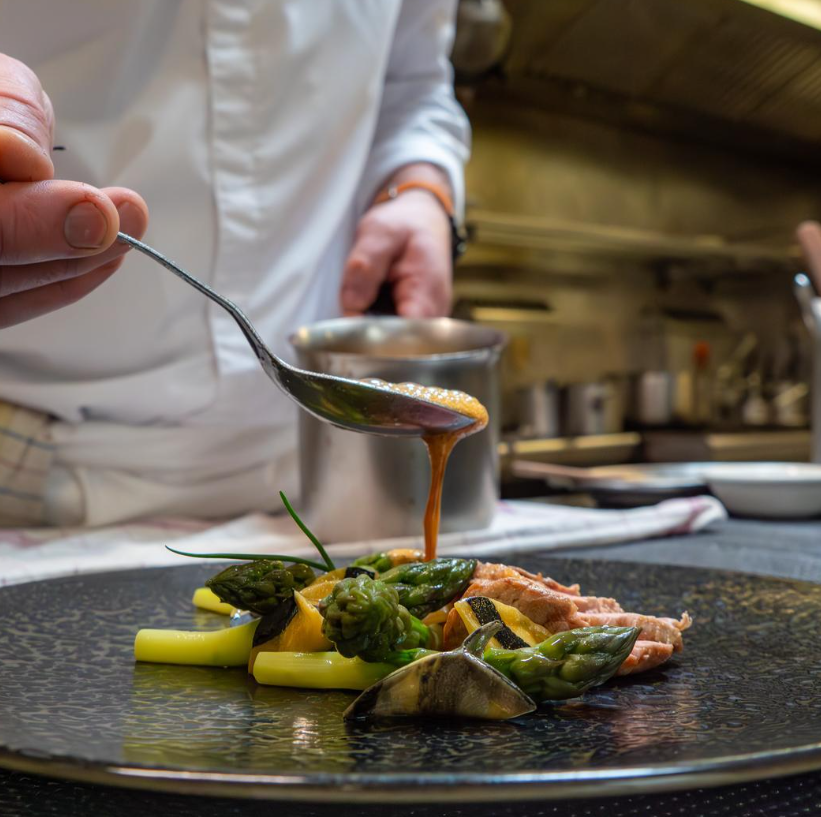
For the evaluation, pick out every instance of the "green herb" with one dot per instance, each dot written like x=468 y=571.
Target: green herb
x=328 y=564
x=304 y=528
x=249 y=557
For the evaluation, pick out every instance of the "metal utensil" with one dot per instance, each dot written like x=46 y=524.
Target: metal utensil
x=348 y=404
x=594 y=408
x=652 y=398
x=391 y=474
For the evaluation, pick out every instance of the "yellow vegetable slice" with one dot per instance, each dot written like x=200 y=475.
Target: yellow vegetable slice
x=322 y=585
x=303 y=633
x=229 y=647
x=314 y=593
x=403 y=556
x=518 y=622
x=317 y=670
x=332 y=576
x=207 y=599
x=436 y=617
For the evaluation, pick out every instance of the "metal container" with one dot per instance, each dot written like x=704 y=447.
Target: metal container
x=537 y=410
x=652 y=399
x=359 y=486
x=594 y=408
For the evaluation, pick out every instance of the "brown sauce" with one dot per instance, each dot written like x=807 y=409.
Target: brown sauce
x=440 y=445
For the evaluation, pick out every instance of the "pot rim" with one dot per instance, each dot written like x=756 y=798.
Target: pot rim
x=309 y=338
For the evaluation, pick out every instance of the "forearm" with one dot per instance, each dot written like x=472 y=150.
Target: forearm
x=420 y=123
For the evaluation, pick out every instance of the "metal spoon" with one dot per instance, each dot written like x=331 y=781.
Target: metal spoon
x=349 y=404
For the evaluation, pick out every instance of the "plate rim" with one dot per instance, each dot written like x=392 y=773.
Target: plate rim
x=441 y=787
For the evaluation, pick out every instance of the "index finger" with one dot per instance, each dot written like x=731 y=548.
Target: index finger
x=26 y=122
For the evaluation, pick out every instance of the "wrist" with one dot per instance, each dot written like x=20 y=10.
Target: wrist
x=437 y=192
x=405 y=182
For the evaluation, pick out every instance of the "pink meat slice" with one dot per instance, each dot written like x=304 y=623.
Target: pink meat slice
x=644 y=656
x=660 y=630
x=554 y=611
x=597 y=604
x=565 y=609
x=489 y=570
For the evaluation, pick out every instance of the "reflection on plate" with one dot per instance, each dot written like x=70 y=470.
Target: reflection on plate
x=768 y=490
x=742 y=701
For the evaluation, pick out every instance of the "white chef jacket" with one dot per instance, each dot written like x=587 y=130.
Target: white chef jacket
x=257 y=131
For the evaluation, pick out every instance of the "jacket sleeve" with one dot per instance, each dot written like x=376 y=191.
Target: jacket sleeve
x=419 y=117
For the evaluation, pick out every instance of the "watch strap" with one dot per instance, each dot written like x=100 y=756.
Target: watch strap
x=457 y=235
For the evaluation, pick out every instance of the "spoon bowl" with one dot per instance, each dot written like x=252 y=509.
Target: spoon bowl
x=346 y=403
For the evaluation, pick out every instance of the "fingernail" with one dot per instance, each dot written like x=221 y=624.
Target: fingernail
x=130 y=218
x=22 y=137
x=86 y=226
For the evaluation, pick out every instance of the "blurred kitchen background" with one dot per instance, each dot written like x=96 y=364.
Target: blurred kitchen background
x=638 y=170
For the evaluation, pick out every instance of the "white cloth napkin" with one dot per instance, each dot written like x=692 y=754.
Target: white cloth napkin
x=26 y=555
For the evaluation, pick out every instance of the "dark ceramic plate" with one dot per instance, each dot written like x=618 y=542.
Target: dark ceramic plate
x=742 y=702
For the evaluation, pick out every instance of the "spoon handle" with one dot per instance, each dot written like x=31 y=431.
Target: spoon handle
x=263 y=353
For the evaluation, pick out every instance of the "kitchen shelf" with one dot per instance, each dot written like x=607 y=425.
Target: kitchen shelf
x=788 y=445
x=595 y=449
x=489 y=228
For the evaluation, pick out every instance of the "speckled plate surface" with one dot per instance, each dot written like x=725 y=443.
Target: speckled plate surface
x=742 y=702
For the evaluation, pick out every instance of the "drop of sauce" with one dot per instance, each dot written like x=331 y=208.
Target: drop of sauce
x=440 y=445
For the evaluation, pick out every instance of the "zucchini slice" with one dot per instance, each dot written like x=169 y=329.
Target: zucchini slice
x=519 y=631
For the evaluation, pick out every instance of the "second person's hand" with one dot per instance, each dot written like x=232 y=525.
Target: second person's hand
x=57 y=238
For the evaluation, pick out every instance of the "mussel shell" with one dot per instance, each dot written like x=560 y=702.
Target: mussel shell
x=449 y=685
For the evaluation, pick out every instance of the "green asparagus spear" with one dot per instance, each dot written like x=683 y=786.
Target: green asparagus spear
x=261 y=585
x=380 y=562
x=426 y=586
x=364 y=618
x=566 y=664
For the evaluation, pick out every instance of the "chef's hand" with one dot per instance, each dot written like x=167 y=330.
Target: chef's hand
x=56 y=237
x=406 y=242
x=809 y=237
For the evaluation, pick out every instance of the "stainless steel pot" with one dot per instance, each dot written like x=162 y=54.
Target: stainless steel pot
x=594 y=408
x=652 y=399
x=537 y=410
x=357 y=486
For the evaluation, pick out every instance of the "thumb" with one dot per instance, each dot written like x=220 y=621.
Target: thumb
x=26 y=124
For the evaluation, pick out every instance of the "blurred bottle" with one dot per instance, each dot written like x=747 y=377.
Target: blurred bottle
x=702 y=384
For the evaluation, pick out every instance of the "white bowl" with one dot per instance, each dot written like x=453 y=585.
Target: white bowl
x=767 y=490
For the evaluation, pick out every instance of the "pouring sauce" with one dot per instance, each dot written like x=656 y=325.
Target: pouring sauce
x=440 y=445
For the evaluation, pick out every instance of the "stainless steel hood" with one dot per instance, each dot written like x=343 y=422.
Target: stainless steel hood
x=702 y=66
